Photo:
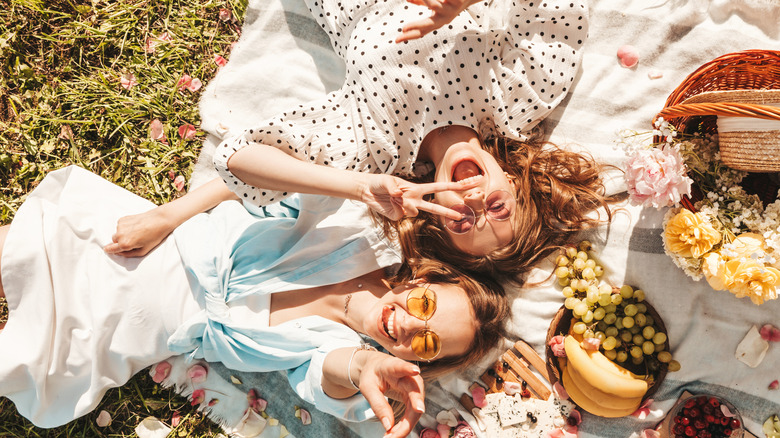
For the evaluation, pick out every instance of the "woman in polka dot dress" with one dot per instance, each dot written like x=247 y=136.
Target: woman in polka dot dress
x=436 y=83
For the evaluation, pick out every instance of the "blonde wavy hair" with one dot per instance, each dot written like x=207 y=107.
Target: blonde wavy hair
x=556 y=189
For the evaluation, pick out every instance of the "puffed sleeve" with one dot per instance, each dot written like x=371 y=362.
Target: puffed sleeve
x=536 y=50
x=318 y=133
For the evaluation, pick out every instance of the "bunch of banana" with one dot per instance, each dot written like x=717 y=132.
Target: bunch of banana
x=772 y=427
x=598 y=385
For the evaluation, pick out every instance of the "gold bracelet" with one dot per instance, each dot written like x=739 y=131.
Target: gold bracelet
x=361 y=347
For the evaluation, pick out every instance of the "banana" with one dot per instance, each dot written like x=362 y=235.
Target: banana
x=601 y=375
x=609 y=401
x=582 y=400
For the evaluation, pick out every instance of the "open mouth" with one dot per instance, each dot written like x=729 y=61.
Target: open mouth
x=388 y=322
x=466 y=171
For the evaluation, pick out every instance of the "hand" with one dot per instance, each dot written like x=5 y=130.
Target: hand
x=395 y=197
x=138 y=234
x=384 y=375
x=444 y=11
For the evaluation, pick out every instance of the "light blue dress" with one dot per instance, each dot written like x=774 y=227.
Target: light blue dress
x=237 y=259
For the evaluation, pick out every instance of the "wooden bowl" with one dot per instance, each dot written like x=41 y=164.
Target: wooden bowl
x=561 y=324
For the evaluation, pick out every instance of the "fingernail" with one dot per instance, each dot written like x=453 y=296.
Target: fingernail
x=386 y=423
x=416 y=369
x=420 y=406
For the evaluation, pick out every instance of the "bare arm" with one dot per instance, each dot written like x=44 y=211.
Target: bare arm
x=378 y=375
x=138 y=234
x=388 y=195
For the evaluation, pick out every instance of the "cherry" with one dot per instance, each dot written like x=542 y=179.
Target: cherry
x=685 y=421
x=714 y=402
x=709 y=418
x=734 y=424
x=724 y=420
x=699 y=424
x=690 y=431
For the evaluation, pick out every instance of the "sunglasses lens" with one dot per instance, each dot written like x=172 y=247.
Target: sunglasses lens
x=421 y=303
x=463 y=225
x=426 y=344
x=499 y=205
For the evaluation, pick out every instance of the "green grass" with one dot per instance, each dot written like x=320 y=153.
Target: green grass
x=60 y=68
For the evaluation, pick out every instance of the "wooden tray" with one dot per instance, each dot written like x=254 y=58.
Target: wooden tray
x=560 y=325
x=515 y=365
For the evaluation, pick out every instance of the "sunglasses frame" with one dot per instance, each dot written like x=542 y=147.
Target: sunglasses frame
x=474 y=215
x=420 y=334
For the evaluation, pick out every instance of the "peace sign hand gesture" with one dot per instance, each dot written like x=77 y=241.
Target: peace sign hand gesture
x=395 y=198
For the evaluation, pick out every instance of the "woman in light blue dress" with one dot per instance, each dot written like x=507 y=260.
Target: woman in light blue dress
x=299 y=286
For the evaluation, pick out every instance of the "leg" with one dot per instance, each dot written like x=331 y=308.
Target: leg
x=3 y=233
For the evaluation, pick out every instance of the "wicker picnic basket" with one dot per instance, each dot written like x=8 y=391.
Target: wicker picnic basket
x=741 y=84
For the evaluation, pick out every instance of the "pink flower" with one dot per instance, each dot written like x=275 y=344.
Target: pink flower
x=444 y=430
x=225 y=14
x=304 y=415
x=127 y=81
x=478 y=394
x=197 y=373
x=187 y=82
x=187 y=131
x=650 y=433
x=556 y=345
x=774 y=385
x=770 y=333
x=198 y=396
x=160 y=371
x=178 y=184
x=644 y=409
x=151 y=43
x=156 y=130
x=429 y=433
x=591 y=343
x=463 y=430
x=175 y=418
x=657 y=177
x=220 y=61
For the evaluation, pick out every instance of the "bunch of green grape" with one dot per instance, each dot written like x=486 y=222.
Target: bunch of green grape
x=617 y=317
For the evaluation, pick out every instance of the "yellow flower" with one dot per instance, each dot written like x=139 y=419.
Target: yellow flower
x=690 y=235
x=745 y=245
x=714 y=269
x=752 y=279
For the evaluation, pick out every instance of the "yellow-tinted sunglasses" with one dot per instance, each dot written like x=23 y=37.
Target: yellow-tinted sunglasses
x=421 y=303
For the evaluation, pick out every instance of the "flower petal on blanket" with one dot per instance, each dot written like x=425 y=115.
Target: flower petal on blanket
x=752 y=349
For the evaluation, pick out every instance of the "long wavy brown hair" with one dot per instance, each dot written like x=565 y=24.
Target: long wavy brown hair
x=556 y=189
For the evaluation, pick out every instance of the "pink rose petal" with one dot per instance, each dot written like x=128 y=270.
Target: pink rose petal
x=556 y=345
x=429 y=433
x=187 y=82
x=555 y=433
x=198 y=397
x=127 y=81
x=197 y=373
x=444 y=430
x=187 y=131
x=195 y=85
x=305 y=417
x=225 y=14
x=650 y=433
x=175 y=418
x=160 y=371
x=156 y=130
x=644 y=409
x=512 y=388
x=726 y=411
x=570 y=431
x=560 y=391
x=575 y=418
x=103 y=419
x=178 y=184
x=628 y=56
x=220 y=61
x=478 y=394
x=774 y=385
x=463 y=430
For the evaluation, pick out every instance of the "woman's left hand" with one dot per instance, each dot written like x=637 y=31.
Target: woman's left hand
x=395 y=197
x=443 y=11
x=384 y=375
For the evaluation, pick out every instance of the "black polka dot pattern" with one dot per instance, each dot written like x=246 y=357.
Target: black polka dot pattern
x=511 y=63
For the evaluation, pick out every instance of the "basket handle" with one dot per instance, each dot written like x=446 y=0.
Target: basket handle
x=733 y=109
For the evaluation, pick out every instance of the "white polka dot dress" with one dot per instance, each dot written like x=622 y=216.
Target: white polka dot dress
x=512 y=74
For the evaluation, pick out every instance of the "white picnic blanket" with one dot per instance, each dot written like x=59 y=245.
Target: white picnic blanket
x=283 y=59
